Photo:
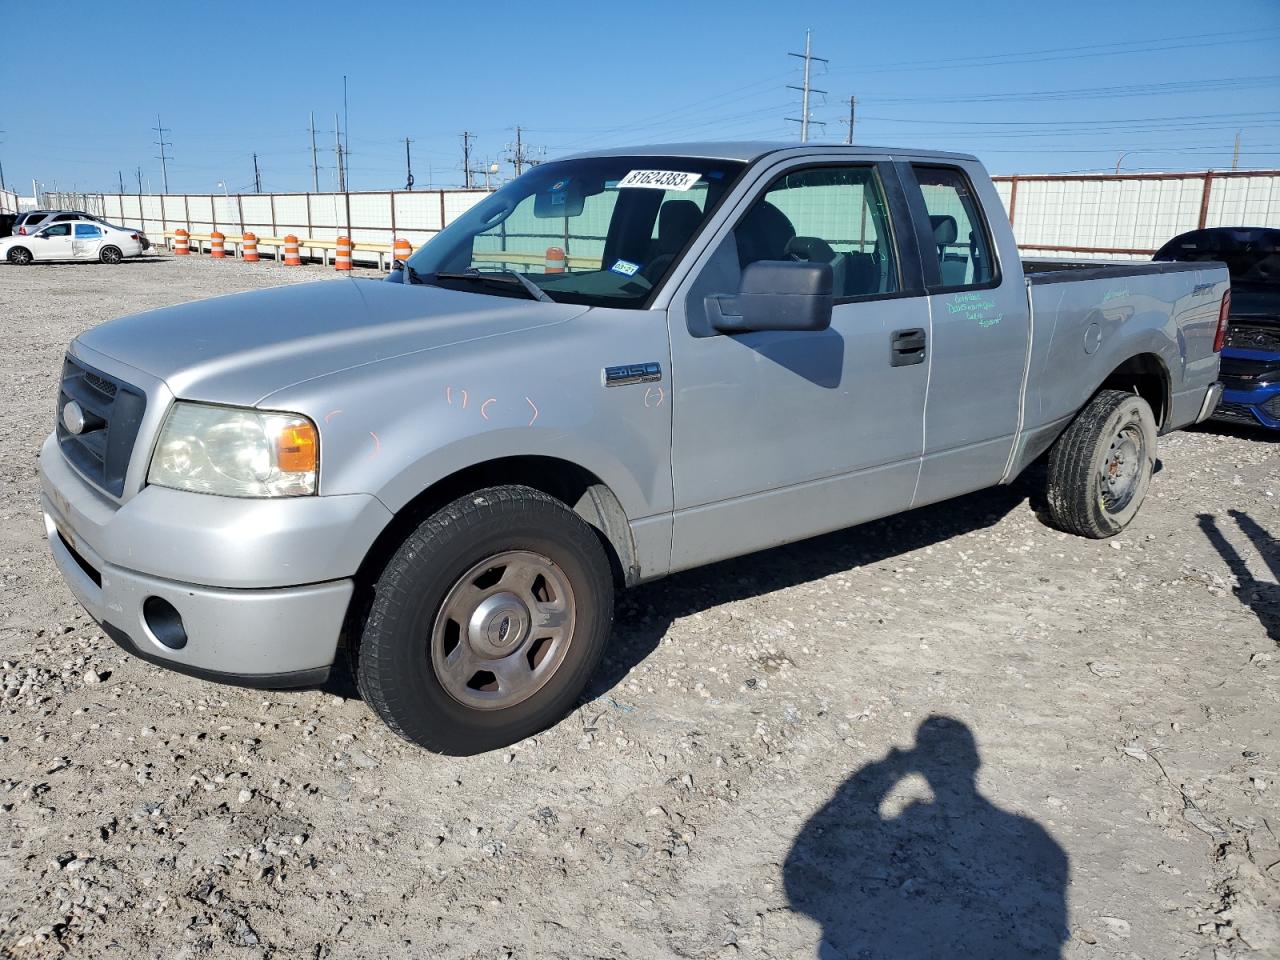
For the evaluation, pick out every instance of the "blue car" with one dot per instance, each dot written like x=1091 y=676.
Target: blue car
x=1251 y=352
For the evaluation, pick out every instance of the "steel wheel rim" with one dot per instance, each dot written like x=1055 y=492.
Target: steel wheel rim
x=503 y=630
x=1122 y=467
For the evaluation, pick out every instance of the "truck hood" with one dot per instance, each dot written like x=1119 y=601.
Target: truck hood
x=241 y=348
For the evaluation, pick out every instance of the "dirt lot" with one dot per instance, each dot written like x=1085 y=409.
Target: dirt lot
x=955 y=733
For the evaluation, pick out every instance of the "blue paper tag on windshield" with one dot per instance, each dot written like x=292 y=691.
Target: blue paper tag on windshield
x=625 y=267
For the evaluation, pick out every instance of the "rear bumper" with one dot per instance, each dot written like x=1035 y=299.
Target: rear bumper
x=1211 y=399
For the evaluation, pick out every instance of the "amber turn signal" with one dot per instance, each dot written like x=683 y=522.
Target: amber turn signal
x=296 y=448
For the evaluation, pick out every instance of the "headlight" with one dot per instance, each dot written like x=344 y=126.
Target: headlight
x=235 y=452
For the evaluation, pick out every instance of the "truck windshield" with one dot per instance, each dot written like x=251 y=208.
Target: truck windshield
x=601 y=231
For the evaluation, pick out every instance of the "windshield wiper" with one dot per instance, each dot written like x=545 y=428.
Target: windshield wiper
x=499 y=276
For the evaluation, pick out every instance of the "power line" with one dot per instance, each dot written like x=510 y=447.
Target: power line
x=805 y=90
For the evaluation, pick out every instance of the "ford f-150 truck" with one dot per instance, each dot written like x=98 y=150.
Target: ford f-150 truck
x=618 y=366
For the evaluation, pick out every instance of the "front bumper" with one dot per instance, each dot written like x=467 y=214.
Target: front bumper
x=241 y=623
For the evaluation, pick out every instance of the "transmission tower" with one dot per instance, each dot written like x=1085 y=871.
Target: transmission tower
x=161 y=130
x=805 y=90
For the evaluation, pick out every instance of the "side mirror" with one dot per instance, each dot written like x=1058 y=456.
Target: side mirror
x=776 y=295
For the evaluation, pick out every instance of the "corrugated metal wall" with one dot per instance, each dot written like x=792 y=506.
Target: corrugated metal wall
x=1124 y=216
x=1119 y=216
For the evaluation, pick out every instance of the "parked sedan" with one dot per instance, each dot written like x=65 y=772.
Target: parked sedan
x=73 y=240
x=1251 y=355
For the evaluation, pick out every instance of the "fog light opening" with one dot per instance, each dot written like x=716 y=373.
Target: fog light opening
x=164 y=622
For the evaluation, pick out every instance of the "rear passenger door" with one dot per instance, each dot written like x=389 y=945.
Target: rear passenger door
x=86 y=241
x=779 y=435
x=979 y=332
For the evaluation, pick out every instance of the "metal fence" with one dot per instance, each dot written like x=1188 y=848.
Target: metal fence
x=8 y=201
x=1112 y=216
x=365 y=217
x=1130 y=215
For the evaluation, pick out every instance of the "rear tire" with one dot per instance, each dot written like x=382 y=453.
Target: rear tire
x=1101 y=467
x=20 y=256
x=110 y=255
x=487 y=623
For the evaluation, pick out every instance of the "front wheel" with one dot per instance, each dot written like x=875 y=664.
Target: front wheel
x=487 y=623
x=20 y=256
x=1101 y=467
x=110 y=255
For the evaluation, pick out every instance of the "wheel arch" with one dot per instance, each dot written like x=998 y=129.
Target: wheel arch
x=578 y=488
x=1146 y=375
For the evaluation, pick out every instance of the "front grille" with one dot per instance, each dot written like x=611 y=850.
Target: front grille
x=1239 y=373
x=1253 y=336
x=112 y=414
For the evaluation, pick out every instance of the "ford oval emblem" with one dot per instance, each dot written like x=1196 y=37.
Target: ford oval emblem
x=73 y=417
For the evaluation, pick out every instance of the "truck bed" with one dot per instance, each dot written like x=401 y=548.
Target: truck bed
x=1039 y=271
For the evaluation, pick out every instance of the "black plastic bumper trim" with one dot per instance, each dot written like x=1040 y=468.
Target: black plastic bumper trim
x=313 y=677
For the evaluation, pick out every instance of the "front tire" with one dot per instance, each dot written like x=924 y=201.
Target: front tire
x=110 y=255
x=1101 y=467
x=20 y=257
x=487 y=623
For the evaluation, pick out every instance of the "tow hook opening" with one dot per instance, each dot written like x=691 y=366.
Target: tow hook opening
x=164 y=622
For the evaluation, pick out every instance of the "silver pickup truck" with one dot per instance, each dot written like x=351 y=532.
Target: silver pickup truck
x=618 y=366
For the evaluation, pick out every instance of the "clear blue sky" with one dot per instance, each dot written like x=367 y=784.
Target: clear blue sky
x=1028 y=87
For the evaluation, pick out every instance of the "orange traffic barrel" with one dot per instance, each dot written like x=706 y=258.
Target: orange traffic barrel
x=291 y=258
x=250 y=248
x=555 y=260
x=181 y=245
x=216 y=249
x=402 y=248
x=342 y=259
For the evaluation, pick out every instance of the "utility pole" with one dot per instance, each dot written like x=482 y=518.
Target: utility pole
x=315 y=169
x=518 y=160
x=853 y=106
x=337 y=152
x=1235 y=156
x=346 y=125
x=162 y=143
x=408 y=165
x=120 y=178
x=257 y=176
x=805 y=90
x=466 y=156
x=139 y=181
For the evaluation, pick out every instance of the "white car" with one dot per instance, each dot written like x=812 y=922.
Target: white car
x=73 y=240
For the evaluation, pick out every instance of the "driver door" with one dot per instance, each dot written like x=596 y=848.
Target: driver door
x=53 y=243
x=86 y=241
x=780 y=435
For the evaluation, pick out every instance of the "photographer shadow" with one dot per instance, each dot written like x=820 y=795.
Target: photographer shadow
x=954 y=876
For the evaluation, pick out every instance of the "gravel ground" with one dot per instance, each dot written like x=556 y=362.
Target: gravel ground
x=954 y=733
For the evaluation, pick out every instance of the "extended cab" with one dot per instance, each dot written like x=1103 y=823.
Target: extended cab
x=616 y=367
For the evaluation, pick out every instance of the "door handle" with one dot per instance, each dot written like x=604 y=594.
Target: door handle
x=907 y=347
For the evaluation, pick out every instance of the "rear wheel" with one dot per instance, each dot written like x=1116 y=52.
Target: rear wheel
x=20 y=256
x=487 y=623
x=110 y=255
x=1100 y=468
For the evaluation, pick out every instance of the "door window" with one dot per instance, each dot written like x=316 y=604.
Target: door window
x=834 y=215
x=57 y=230
x=88 y=231
x=961 y=241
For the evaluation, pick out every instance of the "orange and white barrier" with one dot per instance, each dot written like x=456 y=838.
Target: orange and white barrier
x=217 y=248
x=402 y=249
x=291 y=258
x=555 y=260
x=250 y=248
x=181 y=243
x=342 y=259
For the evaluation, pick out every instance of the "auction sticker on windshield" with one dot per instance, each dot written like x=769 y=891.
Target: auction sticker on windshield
x=659 y=179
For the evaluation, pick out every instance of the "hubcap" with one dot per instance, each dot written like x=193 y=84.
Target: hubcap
x=1122 y=468
x=503 y=630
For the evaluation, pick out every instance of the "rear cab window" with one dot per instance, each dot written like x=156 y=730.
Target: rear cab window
x=959 y=241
